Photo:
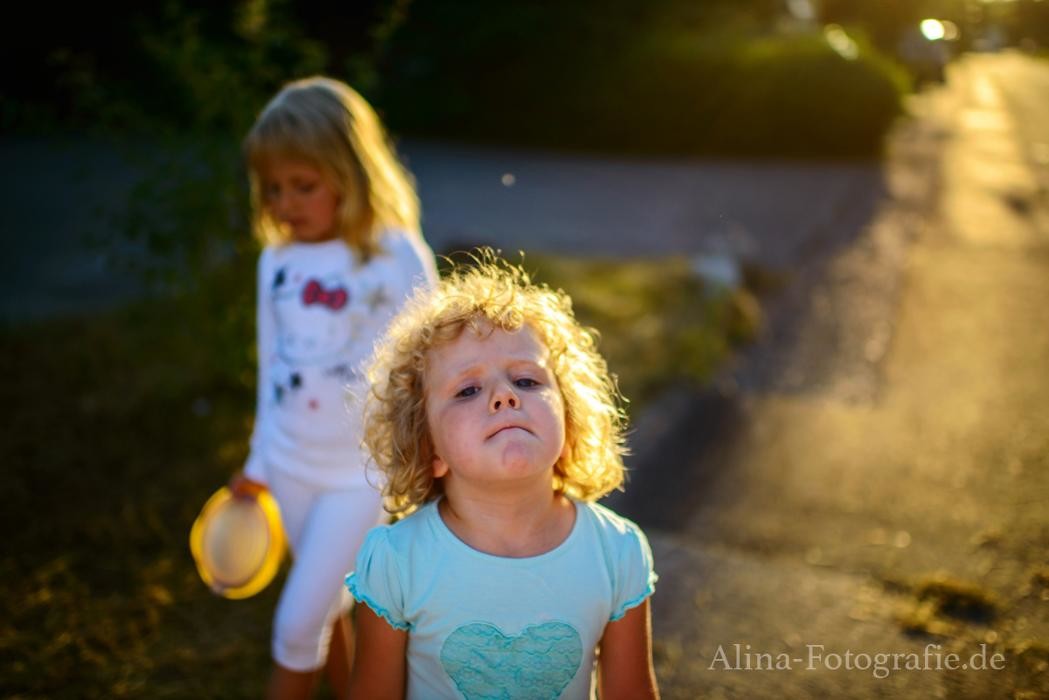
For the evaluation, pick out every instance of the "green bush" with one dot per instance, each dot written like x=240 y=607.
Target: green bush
x=639 y=87
x=188 y=211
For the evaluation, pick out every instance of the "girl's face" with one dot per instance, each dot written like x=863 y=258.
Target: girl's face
x=494 y=410
x=299 y=196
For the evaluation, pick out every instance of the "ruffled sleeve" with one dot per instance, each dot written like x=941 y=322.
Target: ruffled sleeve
x=635 y=578
x=377 y=581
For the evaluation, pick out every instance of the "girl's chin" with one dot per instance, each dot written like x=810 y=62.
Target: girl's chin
x=517 y=456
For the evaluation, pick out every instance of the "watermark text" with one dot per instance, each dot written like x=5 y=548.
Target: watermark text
x=741 y=657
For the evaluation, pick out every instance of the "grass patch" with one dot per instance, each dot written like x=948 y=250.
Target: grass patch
x=124 y=424
x=657 y=322
x=921 y=620
x=668 y=78
x=120 y=426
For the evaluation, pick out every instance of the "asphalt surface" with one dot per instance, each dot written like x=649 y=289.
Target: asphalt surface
x=58 y=213
x=873 y=476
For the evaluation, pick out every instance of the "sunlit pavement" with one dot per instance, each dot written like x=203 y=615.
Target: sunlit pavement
x=901 y=445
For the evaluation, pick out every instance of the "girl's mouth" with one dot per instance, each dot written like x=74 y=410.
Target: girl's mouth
x=508 y=427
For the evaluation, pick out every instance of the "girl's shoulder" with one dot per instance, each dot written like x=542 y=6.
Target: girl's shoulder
x=322 y=253
x=401 y=243
x=627 y=556
x=404 y=254
x=411 y=531
x=395 y=236
x=267 y=253
x=610 y=524
x=383 y=570
x=619 y=538
x=266 y=261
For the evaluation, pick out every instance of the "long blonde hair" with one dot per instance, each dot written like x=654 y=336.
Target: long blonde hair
x=327 y=124
x=492 y=294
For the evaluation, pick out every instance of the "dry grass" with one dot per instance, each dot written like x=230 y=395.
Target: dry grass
x=658 y=323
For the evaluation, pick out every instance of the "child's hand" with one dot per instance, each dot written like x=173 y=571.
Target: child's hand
x=243 y=487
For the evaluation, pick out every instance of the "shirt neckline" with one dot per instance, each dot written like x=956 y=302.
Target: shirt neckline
x=444 y=533
x=317 y=245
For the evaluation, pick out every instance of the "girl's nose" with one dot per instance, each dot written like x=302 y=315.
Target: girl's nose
x=278 y=207
x=503 y=397
x=282 y=202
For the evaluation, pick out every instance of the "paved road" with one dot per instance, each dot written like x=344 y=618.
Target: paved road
x=55 y=197
x=774 y=213
x=778 y=214
x=910 y=446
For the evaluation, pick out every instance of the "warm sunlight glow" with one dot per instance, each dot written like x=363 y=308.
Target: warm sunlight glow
x=841 y=42
x=802 y=10
x=933 y=29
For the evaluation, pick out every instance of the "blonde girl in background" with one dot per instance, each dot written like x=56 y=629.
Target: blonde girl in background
x=495 y=424
x=339 y=219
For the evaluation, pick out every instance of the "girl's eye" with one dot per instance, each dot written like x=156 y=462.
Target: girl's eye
x=307 y=188
x=467 y=392
x=525 y=383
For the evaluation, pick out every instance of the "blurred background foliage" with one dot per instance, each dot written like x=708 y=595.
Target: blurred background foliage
x=612 y=75
x=604 y=75
x=209 y=65
x=667 y=76
x=173 y=86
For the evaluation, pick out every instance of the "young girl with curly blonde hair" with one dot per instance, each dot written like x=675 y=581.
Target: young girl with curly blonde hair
x=496 y=426
x=339 y=219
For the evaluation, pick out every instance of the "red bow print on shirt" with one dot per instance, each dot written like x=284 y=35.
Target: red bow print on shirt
x=315 y=293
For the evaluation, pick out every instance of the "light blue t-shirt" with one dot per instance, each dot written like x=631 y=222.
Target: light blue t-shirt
x=482 y=626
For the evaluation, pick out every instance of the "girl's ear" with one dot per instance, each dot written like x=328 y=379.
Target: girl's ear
x=566 y=452
x=440 y=467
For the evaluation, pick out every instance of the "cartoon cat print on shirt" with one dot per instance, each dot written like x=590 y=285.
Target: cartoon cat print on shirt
x=321 y=319
x=315 y=330
x=312 y=317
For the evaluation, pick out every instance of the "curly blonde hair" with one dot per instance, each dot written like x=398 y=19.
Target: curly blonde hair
x=492 y=294
x=327 y=124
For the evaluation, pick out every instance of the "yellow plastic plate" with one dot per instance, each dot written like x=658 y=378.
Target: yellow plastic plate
x=237 y=543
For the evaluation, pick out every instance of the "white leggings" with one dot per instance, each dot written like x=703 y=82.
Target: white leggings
x=325 y=529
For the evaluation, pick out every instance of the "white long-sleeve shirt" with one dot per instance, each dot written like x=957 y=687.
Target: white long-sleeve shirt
x=320 y=312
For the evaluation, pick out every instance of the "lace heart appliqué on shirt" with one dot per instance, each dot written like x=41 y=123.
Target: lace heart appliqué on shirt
x=535 y=665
